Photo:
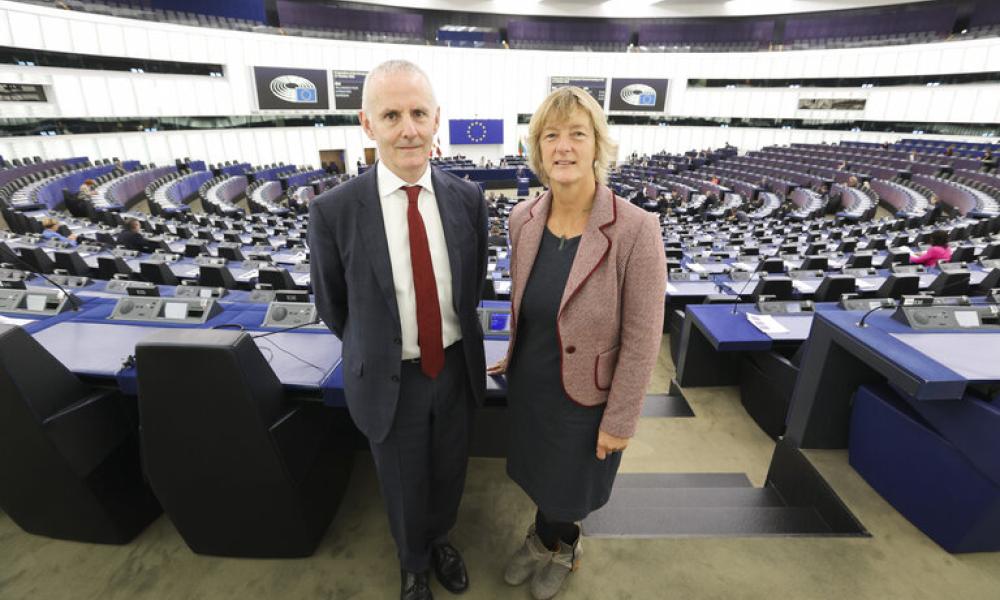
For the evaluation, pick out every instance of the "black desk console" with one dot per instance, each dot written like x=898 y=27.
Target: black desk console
x=927 y=313
x=292 y=314
x=199 y=291
x=165 y=310
x=33 y=301
x=767 y=305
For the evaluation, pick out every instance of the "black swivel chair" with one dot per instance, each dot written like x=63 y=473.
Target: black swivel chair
x=859 y=261
x=991 y=281
x=69 y=455
x=38 y=259
x=193 y=249
x=71 y=262
x=778 y=287
x=109 y=266
x=216 y=276
x=772 y=265
x=231 y=253
x=278 y=278
x=991 y=251
x=955 y=283
x=239 y=473
x=833 y=287
x=158 y=273
x=963 y=254
x=897 y=286
x=815 y=263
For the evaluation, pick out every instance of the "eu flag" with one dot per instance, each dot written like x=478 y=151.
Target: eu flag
x=476 y=131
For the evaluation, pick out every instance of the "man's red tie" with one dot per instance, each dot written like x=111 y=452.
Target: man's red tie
x=425 y=286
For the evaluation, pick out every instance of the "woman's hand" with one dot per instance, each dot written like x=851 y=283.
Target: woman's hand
x=498 y=369
x=607 y=443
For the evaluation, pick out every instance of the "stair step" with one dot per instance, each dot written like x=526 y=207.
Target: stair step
x=714 y=497
x=666 y=405
x=681 y=480
x=690 y=521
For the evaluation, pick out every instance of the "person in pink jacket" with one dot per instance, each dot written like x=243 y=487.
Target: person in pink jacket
x=938 y=252
x=588 y=278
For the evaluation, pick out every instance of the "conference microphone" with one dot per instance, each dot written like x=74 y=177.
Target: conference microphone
x=8 y=252
x=315 y=321
x=760 y=265
x=864 y=317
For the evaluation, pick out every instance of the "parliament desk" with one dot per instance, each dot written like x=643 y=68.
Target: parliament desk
x=923 y=366
x=713 y=334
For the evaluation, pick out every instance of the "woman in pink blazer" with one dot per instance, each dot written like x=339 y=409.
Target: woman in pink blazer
x=938 y=252
x=588 y=280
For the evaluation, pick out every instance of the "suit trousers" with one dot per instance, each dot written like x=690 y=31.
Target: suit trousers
x=422 y=463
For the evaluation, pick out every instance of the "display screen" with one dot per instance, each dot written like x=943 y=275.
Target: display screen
x=597 y=87
x=279 y=88
x=347 y=88
x=21 y=92
x=500 y=322
x=175 y=310
x=793 y=307
x=646 y=95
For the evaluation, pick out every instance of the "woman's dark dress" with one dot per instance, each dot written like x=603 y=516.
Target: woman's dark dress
x=553 y=440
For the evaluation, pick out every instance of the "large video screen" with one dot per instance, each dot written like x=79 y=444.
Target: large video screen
x=638 y=94
x=21 y=92
x=347 y=88
x=280 y=88
x=831 y=103
x=597 y=87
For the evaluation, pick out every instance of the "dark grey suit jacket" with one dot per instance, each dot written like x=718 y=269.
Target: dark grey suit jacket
x=355 y=296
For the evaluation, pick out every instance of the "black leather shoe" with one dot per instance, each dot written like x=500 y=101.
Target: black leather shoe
x=415 y=587
x=449 y=568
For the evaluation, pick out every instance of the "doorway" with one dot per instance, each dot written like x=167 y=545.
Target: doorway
x=333 y=156
x=369 y=156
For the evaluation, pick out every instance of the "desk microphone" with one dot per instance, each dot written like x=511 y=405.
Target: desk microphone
x=862 y=323
x=736 y=304
x=315 y=321
x=74 y=302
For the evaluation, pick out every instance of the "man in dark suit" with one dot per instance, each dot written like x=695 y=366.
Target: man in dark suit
x=131 y=239
x=398 y=264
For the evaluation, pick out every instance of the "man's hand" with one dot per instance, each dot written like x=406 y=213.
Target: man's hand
x=607 y=443
x=498 y=369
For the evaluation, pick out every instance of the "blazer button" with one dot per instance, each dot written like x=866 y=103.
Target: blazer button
x=395 y=378
x=397 y=341
x=570 y=349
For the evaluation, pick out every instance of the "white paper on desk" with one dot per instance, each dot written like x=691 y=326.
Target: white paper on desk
x=865 y=285
x=766 y=324
x=742 y=266
x=671 y=288
x=903 y=249
x=248 y=275
x=695 y=267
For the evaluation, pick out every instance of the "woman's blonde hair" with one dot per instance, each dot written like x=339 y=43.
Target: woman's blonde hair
x=48 y=222
x=556 y=108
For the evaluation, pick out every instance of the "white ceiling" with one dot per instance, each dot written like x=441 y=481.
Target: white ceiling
x=638 y=8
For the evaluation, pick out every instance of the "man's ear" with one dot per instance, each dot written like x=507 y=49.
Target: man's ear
x=437 y=119
x=366 y=125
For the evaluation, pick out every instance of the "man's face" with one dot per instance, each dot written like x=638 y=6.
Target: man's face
x=402 y=121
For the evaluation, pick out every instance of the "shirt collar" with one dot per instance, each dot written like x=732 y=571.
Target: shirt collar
x=389 y=182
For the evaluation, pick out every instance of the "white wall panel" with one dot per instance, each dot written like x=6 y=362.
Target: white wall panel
x=84 y=34
x=112 y=40
x=56 y=34
x=5 y=28
x=25 y=30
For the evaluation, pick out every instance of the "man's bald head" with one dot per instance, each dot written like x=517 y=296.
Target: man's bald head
x=388 y=70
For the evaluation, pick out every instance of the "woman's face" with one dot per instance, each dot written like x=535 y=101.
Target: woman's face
x=568 y=149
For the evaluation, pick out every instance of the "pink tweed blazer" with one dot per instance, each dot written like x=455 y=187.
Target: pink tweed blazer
x=610 y=320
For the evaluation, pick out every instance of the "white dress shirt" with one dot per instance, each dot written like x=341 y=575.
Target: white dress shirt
x=397 y=233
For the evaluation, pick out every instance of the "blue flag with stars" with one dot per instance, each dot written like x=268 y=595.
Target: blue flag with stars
x=476 y=131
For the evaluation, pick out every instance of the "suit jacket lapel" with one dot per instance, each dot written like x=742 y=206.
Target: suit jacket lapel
x=594 y=245
x=452 y=234
x=528 y=241
x=372 y=228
